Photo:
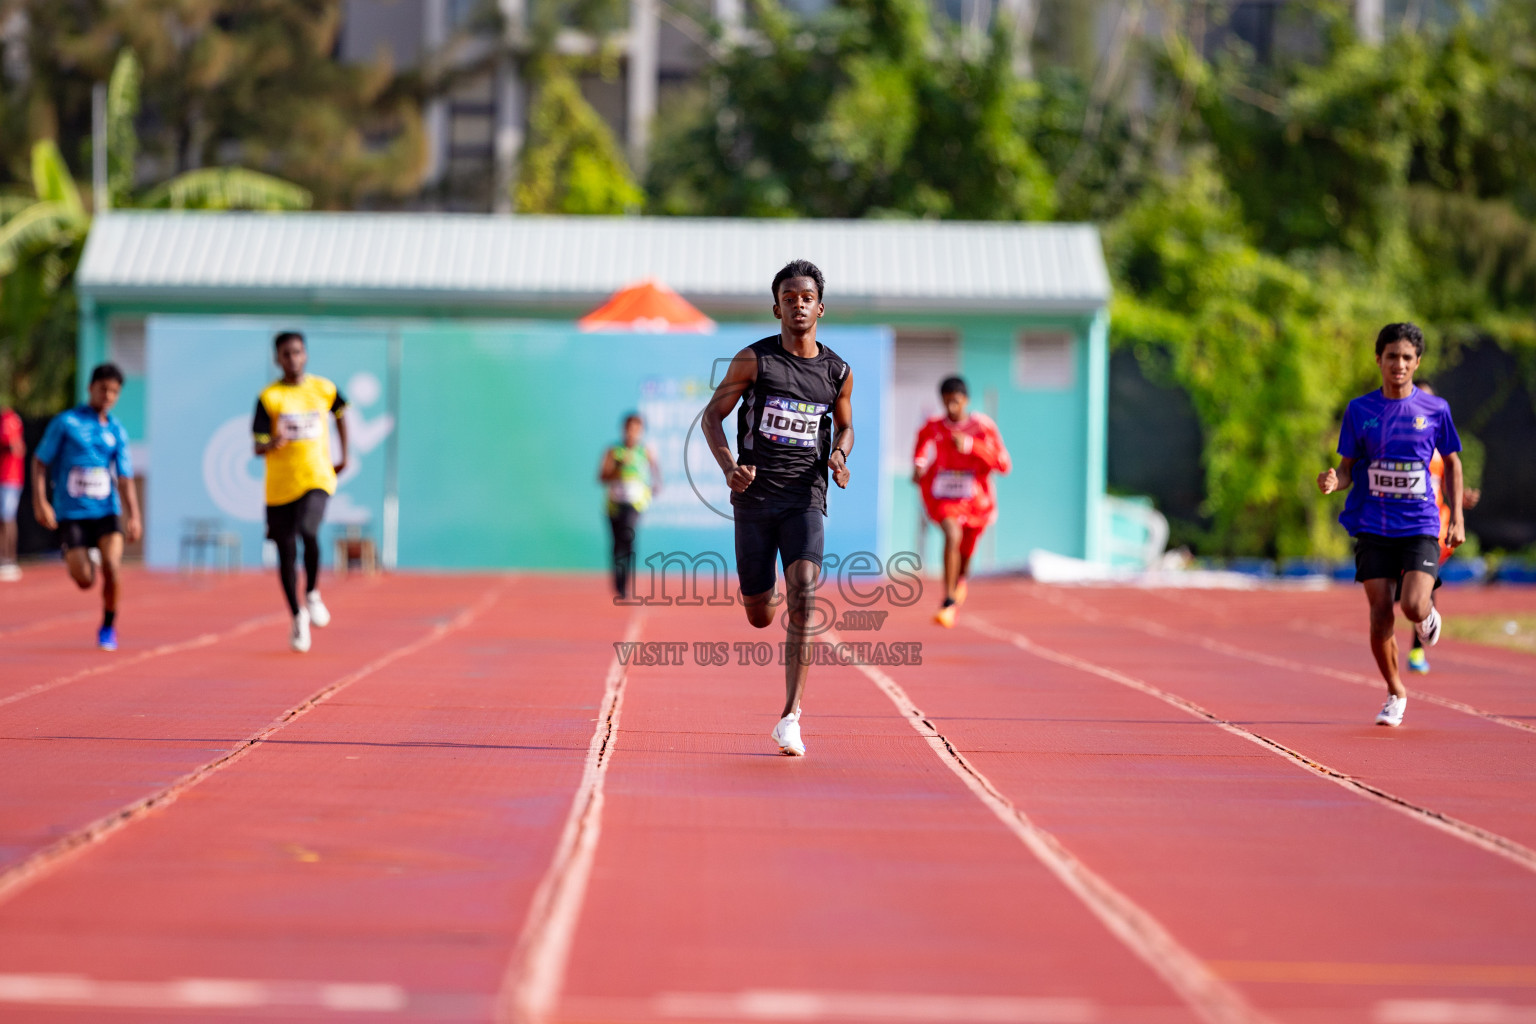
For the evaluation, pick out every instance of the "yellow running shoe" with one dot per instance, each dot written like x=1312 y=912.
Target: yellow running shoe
x=945 y=616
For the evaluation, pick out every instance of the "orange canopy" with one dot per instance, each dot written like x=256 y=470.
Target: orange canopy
x=647 y=306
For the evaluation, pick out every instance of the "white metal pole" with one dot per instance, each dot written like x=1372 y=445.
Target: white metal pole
x=1370 y=20
x=643 y=69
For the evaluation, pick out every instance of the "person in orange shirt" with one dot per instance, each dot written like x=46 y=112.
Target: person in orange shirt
x=1417 y=662
x=953 y=463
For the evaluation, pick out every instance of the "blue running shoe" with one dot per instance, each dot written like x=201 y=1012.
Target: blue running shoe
x=1416 y=660
x=106 y=638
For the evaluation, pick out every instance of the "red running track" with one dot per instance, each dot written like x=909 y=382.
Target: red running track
x=1085 y=805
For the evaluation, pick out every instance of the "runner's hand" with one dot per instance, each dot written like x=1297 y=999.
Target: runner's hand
x=133 y=529
x=278 y=443
x=740 y=478
x=1328 y=482
x=839 y=466
x=45 y=517
x=341 y=466
x=963 y=442
x=1455 y=534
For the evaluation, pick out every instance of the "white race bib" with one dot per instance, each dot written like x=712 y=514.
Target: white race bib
x=952 y=485
x=1398 y=479
x=627 y=492
x=300 y=426
x=93 y=482
x=790 y=422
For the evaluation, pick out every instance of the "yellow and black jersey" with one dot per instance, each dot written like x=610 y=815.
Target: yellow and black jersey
x=298 y=412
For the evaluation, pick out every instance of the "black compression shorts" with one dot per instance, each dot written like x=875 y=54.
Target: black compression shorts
x=791 y=534
x=87 y=533
x=297 y=518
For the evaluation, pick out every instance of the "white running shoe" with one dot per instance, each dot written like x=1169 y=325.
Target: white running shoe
x=319 y=614
x=10 y=573
x=1391 y=712
x=787 y=735
x=1429 y=629
x=299 y=638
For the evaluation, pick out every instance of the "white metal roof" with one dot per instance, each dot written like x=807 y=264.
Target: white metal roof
x=490 y=261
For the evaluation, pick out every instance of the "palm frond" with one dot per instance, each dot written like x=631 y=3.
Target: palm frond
x=227 y=188
x=122 y=138
x=41 y=226
x=51 y=179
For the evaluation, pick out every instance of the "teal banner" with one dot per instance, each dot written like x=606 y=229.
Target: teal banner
x=477 y=445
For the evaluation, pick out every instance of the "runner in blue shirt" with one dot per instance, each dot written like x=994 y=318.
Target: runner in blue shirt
x=84 y=454
x=1386 y=441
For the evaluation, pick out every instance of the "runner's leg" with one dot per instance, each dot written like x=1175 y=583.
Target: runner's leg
x=78 y=561
x=311 y=561
x=1378 y=593
x=287 y=572
x=953 y=537
x=622 y=521
x=111 y=548
x=1418 y=597
x=802 y=624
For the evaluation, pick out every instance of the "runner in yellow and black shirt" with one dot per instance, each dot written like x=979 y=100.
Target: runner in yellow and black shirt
x=291 y=430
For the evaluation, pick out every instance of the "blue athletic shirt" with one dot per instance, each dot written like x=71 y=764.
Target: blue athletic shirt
x=81 y=453
x=1392 y=441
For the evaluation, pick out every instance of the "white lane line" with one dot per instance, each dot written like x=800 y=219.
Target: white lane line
x=1211 y=998
x=111 y=662
x=199 y=993
x=49 y=623
x=1157 y=629
x=774 y=1004
x=61 y=850
x=531 y=987
x=1491 y=842
x=1451 y=1011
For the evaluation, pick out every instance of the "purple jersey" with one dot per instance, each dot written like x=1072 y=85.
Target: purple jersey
x=1392 y=441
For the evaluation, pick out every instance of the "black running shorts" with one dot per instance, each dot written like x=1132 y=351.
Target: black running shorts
x=1387 y=558
x=87 y=533
x=791 y=534
x=297 y=518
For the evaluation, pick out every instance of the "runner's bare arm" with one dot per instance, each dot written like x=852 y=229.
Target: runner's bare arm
x=1456 y=527
x=1336 y=480
x=740 y=376
x=41 y=510
x=133 y=529
x=341 y=432
x=609 y=470
x=842 y=422
x=650 y=456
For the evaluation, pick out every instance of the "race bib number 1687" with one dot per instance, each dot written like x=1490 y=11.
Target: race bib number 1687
x=1398 y=479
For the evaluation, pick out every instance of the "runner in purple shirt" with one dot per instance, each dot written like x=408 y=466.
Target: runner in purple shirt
x=1387 y=440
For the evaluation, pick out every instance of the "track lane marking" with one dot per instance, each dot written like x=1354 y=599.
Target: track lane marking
x=1328 y=972
x=1209 y=996
x=1091 y=614
x=39 y=625
x=796 y=1005
x=199 y=993
x=1483 y=839
x=115 y=662
x=74 y=843
x=531 y=986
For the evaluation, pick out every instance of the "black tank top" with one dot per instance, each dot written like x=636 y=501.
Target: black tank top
x=784 y=427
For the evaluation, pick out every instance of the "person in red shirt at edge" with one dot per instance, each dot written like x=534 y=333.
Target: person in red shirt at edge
x=953 y=463
x=13 y=453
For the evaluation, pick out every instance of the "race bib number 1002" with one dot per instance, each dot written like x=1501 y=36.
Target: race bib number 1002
x=1398 y=479
x=790 y=422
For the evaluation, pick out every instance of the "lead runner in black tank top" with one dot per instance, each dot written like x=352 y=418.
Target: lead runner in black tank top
x=794 y=427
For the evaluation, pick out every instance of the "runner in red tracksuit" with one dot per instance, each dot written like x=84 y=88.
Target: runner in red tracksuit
x=953 y=463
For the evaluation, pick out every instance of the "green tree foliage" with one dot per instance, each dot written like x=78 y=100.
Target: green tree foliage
x=222 y=81
x=42 y=236
x=869 y=109
x=1268 y=348
x=571 y=163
